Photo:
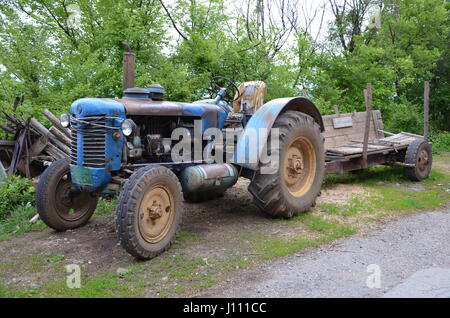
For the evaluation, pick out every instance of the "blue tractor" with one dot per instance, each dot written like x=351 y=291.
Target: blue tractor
x=127 y=146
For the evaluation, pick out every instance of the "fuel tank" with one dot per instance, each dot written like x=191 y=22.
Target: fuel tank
x=208 y=177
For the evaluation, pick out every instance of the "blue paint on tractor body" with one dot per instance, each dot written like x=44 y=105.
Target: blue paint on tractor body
x=211 y=115
x=94 y=178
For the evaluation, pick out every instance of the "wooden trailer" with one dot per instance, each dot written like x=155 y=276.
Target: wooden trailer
x=357 y=141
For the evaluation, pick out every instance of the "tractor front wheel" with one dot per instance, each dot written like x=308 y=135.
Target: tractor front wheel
x=149 y=212
x=59 y=205
x=293 y=186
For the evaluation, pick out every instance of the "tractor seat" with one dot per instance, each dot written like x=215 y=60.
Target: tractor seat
x=253 y=96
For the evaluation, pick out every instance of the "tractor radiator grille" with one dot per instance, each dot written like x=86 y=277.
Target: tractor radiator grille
x=93 y=132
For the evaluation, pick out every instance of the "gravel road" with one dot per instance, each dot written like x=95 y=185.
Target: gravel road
x=412 y=255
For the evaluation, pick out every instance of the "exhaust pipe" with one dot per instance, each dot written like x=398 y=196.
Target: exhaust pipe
x=129 y=64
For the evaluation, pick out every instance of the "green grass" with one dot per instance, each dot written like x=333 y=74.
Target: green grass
x=106 y=206
x=368 y=176
x=18 y=222
x=104 y=285
x=185 y=238
x=324 y=231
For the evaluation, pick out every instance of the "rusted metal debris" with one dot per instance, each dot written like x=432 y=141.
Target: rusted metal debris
x=32 y=147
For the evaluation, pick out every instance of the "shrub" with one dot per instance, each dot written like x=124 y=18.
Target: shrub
x=403 y=117
x=14 y=193
x=441 y=142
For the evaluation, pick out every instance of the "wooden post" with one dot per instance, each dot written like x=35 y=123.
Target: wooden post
x=426 y=110
x=55 y=121
x=368 y=100
x=63 y=138
x=45 y=132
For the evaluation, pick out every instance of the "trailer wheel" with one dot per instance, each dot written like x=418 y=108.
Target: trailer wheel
x=418 y=153
x=149 y=212
x=296 y=183
x=58 y=205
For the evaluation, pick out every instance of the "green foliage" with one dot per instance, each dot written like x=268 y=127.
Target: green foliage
x=441 y=142
x=16 y=192
x=404 y=117
x=184 y=43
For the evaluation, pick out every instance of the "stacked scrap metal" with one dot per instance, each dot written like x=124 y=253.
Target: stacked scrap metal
x=33 y=147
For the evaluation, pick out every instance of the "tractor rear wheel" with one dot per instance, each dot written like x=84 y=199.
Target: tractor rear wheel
x=59 y=205
x=149 y=212
x=295 y=185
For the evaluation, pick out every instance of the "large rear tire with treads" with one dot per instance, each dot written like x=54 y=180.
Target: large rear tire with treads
x=296 y=183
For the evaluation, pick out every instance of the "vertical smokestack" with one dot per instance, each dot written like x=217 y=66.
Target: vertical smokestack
x=129 y=62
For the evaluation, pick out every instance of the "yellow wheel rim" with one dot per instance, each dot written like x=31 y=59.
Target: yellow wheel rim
x=156 y=214
x=299 y=166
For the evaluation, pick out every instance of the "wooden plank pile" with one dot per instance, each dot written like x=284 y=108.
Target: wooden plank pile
x=34 y=146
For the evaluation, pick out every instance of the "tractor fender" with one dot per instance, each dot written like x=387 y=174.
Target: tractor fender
x=251 y=143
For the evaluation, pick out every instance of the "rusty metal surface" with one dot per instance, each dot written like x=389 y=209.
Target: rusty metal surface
x=139 y=106
x=129 y=64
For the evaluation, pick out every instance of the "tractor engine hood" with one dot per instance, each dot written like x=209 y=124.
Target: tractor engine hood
x=211 y=115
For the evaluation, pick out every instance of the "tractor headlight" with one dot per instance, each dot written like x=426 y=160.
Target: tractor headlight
x=128 y=127
x=65 y=120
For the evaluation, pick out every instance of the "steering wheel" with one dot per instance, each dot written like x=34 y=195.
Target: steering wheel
x=219 y=82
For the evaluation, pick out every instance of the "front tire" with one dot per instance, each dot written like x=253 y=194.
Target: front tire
x=149 y=212
x=297 y=181
x=58 y=204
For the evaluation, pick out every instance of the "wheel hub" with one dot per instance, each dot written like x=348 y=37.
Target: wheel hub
x=64 y=194
x=71 y=205
x=299 y=166
x=423 y=160
x=295 y=166
x=155 y=214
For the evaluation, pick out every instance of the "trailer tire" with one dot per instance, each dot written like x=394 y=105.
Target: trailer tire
x=418 y=153
x=55 y=199
x=144 y=226
x=301 y=152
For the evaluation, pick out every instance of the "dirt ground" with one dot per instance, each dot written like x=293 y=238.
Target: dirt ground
x=95 y=246
x=221 y=232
